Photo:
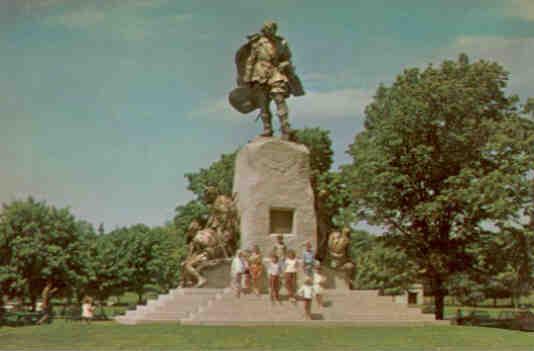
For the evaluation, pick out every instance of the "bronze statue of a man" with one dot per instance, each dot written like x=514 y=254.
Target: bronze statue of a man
x=338 y=254
x=265 y=73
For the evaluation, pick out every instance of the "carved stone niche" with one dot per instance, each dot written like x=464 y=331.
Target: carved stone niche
x=281 y=221
x=274 y=194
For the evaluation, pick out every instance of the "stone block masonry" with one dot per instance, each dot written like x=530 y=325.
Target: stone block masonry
x=274 y=194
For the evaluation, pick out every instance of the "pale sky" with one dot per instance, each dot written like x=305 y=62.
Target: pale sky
x=105 y=105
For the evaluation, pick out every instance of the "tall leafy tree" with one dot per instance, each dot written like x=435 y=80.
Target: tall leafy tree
x=219 y=175
x=41 y=250
x=177 y=252
x=185 y=214
x=146 y=255
x=328 y=186
x=444 y=154
x=106 y=269
x=380 y=266
x=518 y=249
x=467 y=290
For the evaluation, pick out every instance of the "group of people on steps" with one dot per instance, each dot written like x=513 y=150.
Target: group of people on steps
x=282 y=268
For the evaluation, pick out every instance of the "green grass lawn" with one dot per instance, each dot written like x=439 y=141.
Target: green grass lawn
x=62 y=335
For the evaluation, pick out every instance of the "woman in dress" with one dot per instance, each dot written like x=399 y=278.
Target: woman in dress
x=274 y=271
x=255 y=262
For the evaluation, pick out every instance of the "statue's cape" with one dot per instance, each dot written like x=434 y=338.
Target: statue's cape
x=243 y=98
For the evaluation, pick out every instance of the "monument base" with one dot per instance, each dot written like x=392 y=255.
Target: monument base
x=335 y=279
x=218 y=276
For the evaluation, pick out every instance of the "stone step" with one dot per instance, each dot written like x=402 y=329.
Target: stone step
x=351 y=307
x=221 y=307
x=177 y=304
x=315 y=323
x=185 y=299
x=197 y=291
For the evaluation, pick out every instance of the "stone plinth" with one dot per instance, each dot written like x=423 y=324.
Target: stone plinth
x=335 y=279
x=274 y=194
x=218 y=276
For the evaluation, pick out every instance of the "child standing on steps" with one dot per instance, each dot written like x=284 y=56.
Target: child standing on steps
x=290 y=274
x=319 y=281
x=305 y=294
x=308 y=259
x=236 y=271
x=280 y=250
x=274 y=271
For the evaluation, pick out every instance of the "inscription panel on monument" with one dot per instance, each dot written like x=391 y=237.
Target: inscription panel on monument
x=276 y=160
x=281 y=221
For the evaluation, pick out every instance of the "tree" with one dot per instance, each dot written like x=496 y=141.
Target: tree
x=41 y=250
x=465 y=289
x=146 y=255
x=319 y=144
x=106 y=271
x=529 y=106
x=328 y=186
x=444 y=153
x=220 y=175
x=193 y=210
x=177 y=253
x=517 y=248
x=381 y=267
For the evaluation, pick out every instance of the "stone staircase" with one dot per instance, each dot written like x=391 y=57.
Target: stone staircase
x=220 y=307
x=178 y=304
x=348 y=307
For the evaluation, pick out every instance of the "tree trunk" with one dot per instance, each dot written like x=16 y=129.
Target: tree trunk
x=324 y=227
x=439 y=298
x=102 y=312
x=139 y=298
x=33 y=301
x=494 y=302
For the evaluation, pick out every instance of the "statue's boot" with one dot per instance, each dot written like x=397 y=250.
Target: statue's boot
x=285 y=128
x=267 y=126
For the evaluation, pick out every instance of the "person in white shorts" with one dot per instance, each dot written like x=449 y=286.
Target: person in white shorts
x=305 y=293
x=290 y=274
x=319 y=281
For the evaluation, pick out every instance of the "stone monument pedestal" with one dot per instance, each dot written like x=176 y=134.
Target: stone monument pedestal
x=335 y=279
x=218 y=276
x=274 y=195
